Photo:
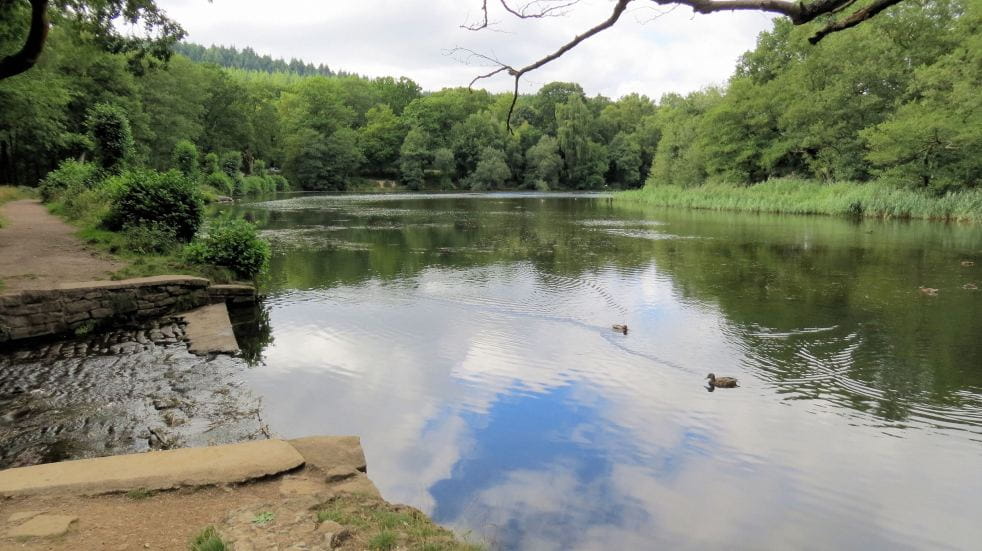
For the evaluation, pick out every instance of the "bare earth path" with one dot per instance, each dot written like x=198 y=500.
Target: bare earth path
x=39 y=251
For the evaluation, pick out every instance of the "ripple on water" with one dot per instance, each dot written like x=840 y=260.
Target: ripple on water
x=823 y=364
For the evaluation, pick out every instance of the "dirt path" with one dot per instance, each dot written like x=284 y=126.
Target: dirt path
x=39 y=251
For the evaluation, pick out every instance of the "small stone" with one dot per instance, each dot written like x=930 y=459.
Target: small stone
x=23 y=515
x=43 y=526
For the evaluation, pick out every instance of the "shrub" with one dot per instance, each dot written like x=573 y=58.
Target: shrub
x=110 y=130
x=221 y=182
x=154 y=238
x=70 y=173
x=210 y=163
x=231 y=243
x=278 y=183
x=185 y=158
x=146 y=197
x=232 y=163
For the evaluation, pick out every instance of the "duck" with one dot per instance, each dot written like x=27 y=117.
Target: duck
x=721 y=382
x=970 y=287
x=929 y=291
x=967 y=263
x=620 y=328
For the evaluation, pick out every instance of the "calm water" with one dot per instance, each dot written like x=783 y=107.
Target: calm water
x=468 y=340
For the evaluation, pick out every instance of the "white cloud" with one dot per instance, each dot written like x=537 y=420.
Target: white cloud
x=674 y=52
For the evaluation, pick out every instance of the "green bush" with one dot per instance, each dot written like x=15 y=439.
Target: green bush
x=231 y=243
x=232 y=163
x=210 y=163
x=154 y=238
x=70 y=173
x=185 y=158
x=221 y=182
x=110 y=130
x=279 y=183
x=147 y=197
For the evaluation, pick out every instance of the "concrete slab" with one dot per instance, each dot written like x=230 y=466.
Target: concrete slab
x=209 y=330
x=160 y=470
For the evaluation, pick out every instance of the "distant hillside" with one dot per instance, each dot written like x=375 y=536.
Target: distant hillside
x=249 y=60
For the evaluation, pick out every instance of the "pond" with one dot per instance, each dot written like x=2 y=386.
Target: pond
x=468 y=340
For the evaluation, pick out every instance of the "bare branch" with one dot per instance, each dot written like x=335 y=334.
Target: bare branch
x=855 y=19
x=799 y=11
x=28 y=55
x=543 y=8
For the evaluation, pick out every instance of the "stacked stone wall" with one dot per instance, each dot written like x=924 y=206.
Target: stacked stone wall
x=83 y=307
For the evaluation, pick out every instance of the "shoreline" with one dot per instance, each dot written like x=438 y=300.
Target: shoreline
x=810 y=197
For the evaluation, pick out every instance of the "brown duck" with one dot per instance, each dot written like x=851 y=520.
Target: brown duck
x=620 y=328
x=721 y=382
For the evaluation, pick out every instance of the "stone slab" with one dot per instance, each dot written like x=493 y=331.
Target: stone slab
x=43 y=526
x=330 y=452
x=209 y=330
x=161 y=470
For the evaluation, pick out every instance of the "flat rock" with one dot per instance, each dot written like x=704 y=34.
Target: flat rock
x=43 y=526
x=159 y=470
x=359 y=485
x=301 y=487
x=209 y=330
x=22 y=516
x=337 y=474
x=330 y=452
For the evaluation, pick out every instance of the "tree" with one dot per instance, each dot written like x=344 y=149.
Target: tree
x=585 y=159
x=491 y=172
x=414 y=156
x=111 y=135
x=543 y=164
x=835 y=16
x=185 y=159
x=381 y=138
x=99 y=20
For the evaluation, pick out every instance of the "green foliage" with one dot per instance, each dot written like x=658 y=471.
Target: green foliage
x=110 y=131
x=221 y=182
x=231 y=164
x=185 y=159
x=210 y=164
x=492 y=171
x=414 y=157
x=796 y=196
x=69 y=174
x=146 y=197
x=208 y=540
x=153 y=238
x=231 y=243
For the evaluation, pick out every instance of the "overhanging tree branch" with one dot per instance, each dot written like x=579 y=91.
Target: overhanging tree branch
x=29 y=53
x=798 y=11
x=619 y=8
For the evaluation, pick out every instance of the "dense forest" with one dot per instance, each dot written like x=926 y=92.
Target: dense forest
x=249 y=60
x=895 y=99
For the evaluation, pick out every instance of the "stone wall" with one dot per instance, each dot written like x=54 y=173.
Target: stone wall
x=82 y=307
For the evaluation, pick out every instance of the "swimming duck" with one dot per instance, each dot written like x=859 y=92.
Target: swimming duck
x=967 y=263
x=620 y=328
x=970 y=287
x=721 y=382
x=929 y=291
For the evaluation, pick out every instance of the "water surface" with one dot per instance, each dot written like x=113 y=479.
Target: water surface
x=467 y=339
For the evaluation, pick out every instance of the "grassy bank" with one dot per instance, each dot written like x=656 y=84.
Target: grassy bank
x=794 y=196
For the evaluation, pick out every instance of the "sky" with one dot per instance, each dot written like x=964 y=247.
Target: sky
x=651 y=51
